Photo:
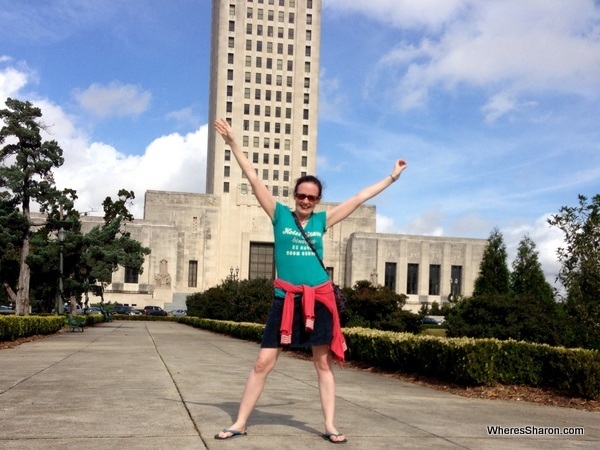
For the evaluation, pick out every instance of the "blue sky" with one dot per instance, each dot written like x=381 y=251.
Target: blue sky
x=493 y=104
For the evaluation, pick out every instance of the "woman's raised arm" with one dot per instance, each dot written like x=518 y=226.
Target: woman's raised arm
x=347 y=207
x=262 y=193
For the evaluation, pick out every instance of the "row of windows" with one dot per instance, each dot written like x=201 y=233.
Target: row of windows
x=260 y=31
x=269 y=47
x=435 y=274
x=265 y=172
x=291 y=3
x=244 y=190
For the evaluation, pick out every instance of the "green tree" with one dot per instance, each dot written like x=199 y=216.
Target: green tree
x=527 y=277
x=236 y=300
x=107 y=247
x=13 y=227
x=493 y=271
x=26 y=176
x=378 y=307
x=580 y=268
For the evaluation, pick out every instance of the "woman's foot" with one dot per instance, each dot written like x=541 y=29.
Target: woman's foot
x=229 y=433
x=335 y=438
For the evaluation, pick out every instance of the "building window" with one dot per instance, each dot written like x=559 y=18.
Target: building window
x=261 y=261
x=455 y=281
x=231 y=25
x=226 y=171
x=309 y=19
x=131 y=275
x=435 y=276
x=412 y=279
x=304 y=145
x=193 y=274
x=231 y=42
x=390 y=275
x=230 y=58
x=227 y=155
x=226 y=187
x=304 y=161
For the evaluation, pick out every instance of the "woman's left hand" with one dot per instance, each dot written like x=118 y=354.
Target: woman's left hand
x=399 y=166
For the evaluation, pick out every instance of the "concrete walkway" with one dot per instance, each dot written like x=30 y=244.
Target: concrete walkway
x=164 y=385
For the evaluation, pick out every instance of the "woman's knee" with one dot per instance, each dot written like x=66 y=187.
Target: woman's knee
x=266 y=361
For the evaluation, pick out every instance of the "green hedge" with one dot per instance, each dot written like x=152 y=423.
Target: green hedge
x=14 y=327
x=466 y=361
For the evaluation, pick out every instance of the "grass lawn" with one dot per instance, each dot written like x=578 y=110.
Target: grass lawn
x=441 y=332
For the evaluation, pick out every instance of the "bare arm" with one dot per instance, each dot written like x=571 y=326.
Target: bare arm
x=263 y=195
x=344 y=209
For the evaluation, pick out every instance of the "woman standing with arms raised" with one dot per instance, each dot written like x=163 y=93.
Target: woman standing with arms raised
x=303 y=312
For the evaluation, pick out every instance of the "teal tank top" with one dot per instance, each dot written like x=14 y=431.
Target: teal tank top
x=295 y=262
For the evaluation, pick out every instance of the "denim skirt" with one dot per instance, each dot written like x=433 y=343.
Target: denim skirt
x=322 y=333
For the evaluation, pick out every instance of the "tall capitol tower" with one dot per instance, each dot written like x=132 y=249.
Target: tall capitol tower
x=264 y=81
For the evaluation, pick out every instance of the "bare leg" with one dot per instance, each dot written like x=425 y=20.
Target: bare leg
x=267 y=357
x=324 y=364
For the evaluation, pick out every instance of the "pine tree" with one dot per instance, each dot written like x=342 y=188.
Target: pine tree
x=527 y=277
x=27 y=179
x=493 y=276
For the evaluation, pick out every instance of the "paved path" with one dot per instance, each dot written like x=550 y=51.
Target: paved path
x=164 y=385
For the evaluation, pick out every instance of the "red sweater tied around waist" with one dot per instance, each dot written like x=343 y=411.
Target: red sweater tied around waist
x=322 y=293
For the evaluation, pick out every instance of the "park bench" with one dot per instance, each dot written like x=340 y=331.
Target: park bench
x=105 y=312
x=75 y=322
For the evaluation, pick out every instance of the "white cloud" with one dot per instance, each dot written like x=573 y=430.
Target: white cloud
x=427 y=224
x=507 y=49
x=406 y=14
x=97 y=170
x=12 y=80
x=114 y=99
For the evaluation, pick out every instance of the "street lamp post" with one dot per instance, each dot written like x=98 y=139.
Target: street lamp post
x=62 y=234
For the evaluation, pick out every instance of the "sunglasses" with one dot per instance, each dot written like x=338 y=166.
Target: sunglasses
x=311 y=198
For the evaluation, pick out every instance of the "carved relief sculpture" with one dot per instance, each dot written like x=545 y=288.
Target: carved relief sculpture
x=162 y=278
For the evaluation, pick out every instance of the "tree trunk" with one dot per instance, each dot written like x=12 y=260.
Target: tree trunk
x=11 y=294
x=22 y=300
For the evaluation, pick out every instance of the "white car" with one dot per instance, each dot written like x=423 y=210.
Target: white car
x=178 y=312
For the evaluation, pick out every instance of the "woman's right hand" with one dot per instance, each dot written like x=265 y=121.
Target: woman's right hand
x=224 y=129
